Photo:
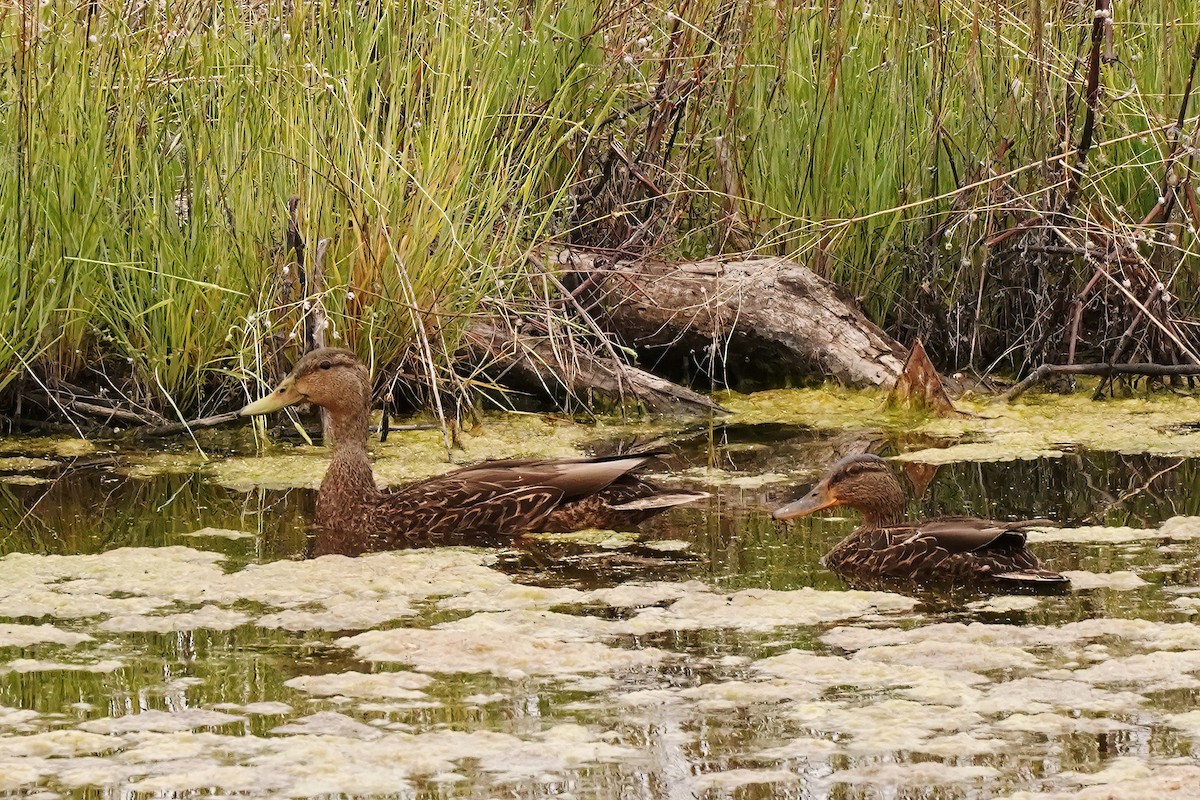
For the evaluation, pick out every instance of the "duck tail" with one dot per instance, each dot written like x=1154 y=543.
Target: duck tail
x=657 y=501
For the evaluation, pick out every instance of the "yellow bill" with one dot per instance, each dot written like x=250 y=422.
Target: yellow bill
x=815 y=500
x=282 y=397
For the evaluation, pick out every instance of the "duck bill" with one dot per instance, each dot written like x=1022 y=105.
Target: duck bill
x=285 y=395
x=813 y=501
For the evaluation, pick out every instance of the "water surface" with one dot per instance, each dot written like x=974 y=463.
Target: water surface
x=163 y=633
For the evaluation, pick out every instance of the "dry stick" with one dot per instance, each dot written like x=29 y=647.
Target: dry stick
x=1168 y=199
x=637 y=173
x=1119 y=353
x=316 y=288
x=1193 y=207
x=1092 y=96
x=1077 y=315
x=731 y=185
x=1073 y=172
x=107 y=413
x=1104 y=369
x=1123 y=342
x=846 y=222
x=173 y=428
x=293 y=242
x=1183 y=348
x=1165 y=207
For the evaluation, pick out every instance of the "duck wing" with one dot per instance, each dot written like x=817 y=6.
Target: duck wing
x=511 y=497
x=972 y=534
x=572 y=478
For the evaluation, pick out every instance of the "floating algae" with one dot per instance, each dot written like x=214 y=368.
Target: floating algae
x=748 y=671
x=62 y=447
x=28 y=635
x=1175 y=528
x=25 y=464
x=1037 y=426
x=1121 y=580
x=218 y=533
x=402 y=685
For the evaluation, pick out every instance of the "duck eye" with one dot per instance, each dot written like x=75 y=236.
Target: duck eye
x=326 y=365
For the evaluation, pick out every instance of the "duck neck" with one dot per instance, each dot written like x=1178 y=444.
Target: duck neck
x=882 y=518
x=884 y=506
x=348 y=481
x=350 y=430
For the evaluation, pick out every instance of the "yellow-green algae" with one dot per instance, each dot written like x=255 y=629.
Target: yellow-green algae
x=1034 y=426
x=23 y=480
x=597 y=537
x=150 y=465
x=61 y=446
x=25 y=464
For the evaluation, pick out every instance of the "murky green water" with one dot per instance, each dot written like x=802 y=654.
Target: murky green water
x=163 y=634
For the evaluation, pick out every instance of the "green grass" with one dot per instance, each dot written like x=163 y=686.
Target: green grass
x=146 y=161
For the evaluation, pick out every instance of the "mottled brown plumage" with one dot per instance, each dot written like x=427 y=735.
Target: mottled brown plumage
x=948 y=550
x=487 y=499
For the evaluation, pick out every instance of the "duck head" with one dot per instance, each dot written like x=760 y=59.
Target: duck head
x=861 y=481
x=330 y=377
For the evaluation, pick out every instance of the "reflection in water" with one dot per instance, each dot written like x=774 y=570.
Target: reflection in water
x=961 y=696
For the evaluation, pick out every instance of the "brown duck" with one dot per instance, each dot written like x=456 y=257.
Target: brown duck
x=491 y=498
x=953 y=550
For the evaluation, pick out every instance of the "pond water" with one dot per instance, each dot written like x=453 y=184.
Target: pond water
x=162 y=632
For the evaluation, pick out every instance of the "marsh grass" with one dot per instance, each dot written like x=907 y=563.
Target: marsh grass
x=150 y=151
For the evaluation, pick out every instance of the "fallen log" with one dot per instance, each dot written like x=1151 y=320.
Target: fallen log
x=772 y=314
x=1103 y=369
x=537 y=362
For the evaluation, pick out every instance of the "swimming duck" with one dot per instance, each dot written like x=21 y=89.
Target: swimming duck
x=956 y=550
x=490 y=498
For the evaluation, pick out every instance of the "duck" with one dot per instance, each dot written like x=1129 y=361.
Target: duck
x=945 y=550
x=491 y=498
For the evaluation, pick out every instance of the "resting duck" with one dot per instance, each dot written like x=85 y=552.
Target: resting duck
x=956 y=550
x=490 y=498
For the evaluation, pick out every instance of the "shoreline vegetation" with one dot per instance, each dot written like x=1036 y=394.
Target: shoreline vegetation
x=192 y=193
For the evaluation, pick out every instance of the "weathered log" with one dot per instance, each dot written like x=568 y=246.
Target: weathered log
x=777 y=316
x=537 y=362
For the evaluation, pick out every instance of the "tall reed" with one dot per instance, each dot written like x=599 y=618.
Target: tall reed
x=148 y=154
